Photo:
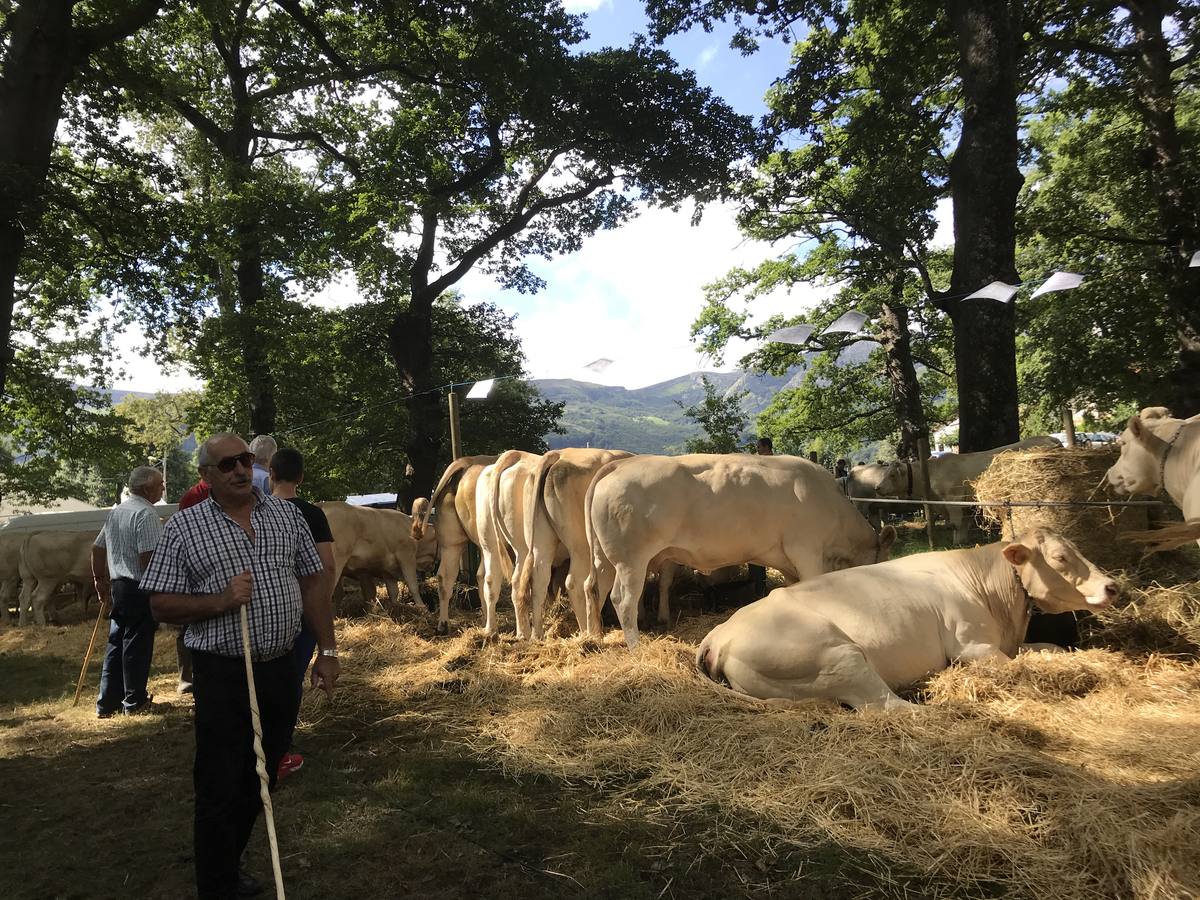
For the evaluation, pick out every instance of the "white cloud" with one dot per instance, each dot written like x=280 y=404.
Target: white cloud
x=631 y=295
x=585 y=6
x=707 y=55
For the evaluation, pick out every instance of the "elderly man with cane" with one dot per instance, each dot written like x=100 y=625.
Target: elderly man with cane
x=119 y=557
x=239 y=570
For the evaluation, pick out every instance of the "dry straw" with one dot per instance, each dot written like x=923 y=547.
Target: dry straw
x=1059 y=475
x=1066 y=776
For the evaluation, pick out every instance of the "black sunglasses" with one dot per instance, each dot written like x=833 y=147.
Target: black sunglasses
x=227 y=464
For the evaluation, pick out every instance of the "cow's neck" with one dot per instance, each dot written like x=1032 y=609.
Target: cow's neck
x=998 y=584
x=1181 y=464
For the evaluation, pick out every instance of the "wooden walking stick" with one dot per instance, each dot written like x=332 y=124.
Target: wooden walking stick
x=87 y=657
x=260 y=758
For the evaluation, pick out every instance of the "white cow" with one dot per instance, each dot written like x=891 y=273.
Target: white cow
x=710 y=510
x=49 y=559
x=856 y=636
x=453 y=502
x=950 y=478
x=1159 y=452
x=496 y=566
x=556 y=533
x=371 y=544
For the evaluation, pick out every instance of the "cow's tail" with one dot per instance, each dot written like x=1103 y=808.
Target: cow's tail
x=591 y=586
x=449 y=478
x=420 y=516
x=536 y=518
x=1168 y=537
x=505 y=461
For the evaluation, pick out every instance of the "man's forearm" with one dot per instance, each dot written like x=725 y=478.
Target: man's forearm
x=184 y=609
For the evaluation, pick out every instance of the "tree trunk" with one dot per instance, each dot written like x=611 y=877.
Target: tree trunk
x=38 y=66
x=984 y=182
x=1174 y=196
x=410 y=339
x=901 y=373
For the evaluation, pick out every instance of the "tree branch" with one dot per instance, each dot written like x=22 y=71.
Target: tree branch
x=474 y=177
x=314 y=137
x=137 y=16
x=514 y=227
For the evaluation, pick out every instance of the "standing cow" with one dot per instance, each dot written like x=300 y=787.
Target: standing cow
x=1160 y=452
x=377 y=543
x=453 y=503
x=49 y=559
x=854 y=637
x=556 y=533
x=709 y=510
x=950 y=478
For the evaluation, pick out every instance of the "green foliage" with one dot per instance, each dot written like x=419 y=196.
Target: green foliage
x=722 y=419
x=1087 y=207
x=338 y=400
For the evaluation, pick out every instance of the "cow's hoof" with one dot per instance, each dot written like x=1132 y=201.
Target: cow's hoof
x=443 y=628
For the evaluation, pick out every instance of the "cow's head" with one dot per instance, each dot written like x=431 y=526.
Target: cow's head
x=1057 y=577
x=1139 y=470
x=879 y=550
x=894 y=481
x=864 y=479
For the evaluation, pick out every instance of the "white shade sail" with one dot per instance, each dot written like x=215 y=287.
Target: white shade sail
x=793 y=334
x=997 y=290
x=1059 y=281
x=849 y=322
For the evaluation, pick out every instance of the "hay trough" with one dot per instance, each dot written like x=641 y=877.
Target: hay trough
x=1062 y=475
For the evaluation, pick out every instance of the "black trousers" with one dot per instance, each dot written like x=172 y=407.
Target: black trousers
x=226 y=782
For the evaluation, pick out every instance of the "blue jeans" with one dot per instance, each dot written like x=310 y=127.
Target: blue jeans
x=302 y=654
x=130 y=647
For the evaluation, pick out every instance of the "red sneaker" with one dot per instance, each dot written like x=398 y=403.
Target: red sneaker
x=289 y=765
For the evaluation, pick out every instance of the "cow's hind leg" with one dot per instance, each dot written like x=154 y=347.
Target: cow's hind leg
x=627 y=594
x=447 y=577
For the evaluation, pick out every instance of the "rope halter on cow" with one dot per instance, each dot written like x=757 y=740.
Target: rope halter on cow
x=1162 y=463
x=1023 y=592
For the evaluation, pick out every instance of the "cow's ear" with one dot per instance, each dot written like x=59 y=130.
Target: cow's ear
x=887 y=537
x=1136 y=428
x=1017 y=554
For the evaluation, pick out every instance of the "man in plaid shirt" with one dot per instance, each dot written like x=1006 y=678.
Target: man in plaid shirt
x=238 y=548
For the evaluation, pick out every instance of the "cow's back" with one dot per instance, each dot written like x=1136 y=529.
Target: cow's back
x=61 y=555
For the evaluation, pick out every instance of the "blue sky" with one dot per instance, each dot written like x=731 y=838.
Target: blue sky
x=631 y=294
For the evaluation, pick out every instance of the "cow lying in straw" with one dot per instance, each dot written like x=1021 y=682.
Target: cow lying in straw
x=856 y=635
x=1159 y=452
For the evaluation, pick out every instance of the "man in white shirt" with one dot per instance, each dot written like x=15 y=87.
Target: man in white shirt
x=263 y=447
x=119 y=557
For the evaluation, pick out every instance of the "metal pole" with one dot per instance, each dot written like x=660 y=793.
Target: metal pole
x=455 y=428
x=923 y=456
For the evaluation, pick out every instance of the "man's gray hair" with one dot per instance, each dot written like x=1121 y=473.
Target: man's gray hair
x=206 y=455
x=142 y=477
x=263 y=447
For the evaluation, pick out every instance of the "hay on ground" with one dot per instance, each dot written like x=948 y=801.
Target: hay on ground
x=1067 y=775
x=1062 y=475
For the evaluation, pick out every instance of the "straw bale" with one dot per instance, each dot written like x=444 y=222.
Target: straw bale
x=1054 y=474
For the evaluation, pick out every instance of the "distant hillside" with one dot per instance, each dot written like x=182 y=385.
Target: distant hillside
x=648 y=420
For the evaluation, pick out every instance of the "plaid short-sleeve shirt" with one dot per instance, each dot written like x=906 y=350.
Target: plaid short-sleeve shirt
x=202 y=549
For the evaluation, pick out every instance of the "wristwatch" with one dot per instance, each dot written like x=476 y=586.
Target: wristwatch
x=329 y=651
